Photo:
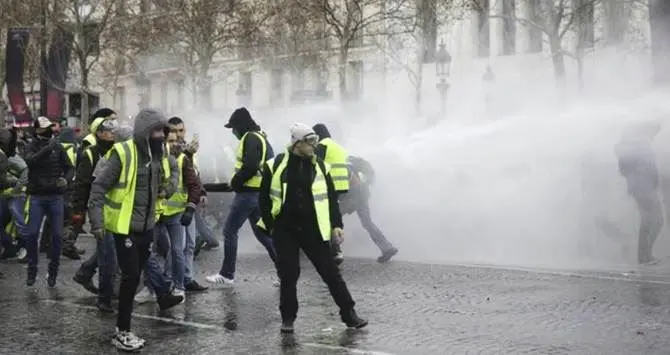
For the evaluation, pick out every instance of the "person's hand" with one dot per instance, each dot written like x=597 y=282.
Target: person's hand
x=203 y=201
x=338 y=235
x=99 y=234
x=193 y=146
x=61 y=182
x=77 y=219
x=187 y=217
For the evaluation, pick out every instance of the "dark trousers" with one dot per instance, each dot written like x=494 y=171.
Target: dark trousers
x=651 y=222
x=243 y=208
x=376 y=234
x=288 y=245
x=132 y=252
x=51 y=207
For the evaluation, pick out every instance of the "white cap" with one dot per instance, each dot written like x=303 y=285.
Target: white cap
x=300 y=132
x=43 y=122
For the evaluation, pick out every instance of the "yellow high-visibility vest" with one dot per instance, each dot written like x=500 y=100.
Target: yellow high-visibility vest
x=177 y=202
x=319 y=193
x=120 y=199
x=71 y=154
x=90 y=138
x=255 y=181
x=337 y=157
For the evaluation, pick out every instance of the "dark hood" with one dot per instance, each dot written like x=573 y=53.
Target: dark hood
x=242 y=122
x=67 y=135
x=146 y=122
x=322 y=131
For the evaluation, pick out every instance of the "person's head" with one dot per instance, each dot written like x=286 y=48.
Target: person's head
x=44 y=128
x=322 y=131
x=177 y=126
x=151 y=127
x=175 y=144
x=303 y=140
x=102 y=113
x=105 y=130
x=241 y=122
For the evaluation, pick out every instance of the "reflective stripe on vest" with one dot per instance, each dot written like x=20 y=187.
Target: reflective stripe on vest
x=319 y=192
x=177 y=202
x=255 y=181
x=71 y=155
x=120 y=199
x=89 y=155
x=90 y=139
x=337 y=157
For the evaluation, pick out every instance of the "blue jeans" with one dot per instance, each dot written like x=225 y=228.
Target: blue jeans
x=12 y=208
x=188 y=253
x=203 y=229
x=106 y=259
x=50 y=206
x=154 y=279
x=243 y=208
x=171 y=234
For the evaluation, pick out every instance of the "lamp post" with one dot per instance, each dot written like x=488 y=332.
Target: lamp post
x=442 y=67
x=143 y=83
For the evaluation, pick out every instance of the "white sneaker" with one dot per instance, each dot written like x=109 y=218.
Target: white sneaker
x=178 y=292
x=218 y=279
x=22 y=254
x=127 y=341
x=144 y=296
x=276 y=283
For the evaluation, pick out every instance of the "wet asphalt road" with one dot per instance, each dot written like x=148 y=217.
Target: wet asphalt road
x=412 y=308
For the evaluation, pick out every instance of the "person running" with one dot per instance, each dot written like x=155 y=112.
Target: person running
x=123 y=202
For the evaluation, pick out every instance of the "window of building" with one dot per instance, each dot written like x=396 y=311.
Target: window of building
x=120 y=100
x=180 y=95
x=484 y=43
x=355 y=80
x=164 y=96
x=429 y=29
x=298 y=79
x=276 y=85
x=509 y=27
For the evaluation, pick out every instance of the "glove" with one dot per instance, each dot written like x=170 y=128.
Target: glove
x=61 y=182
x=77 y=219
x=203 y=201
x=99 y=234
x=338 y=235
x=187 y=217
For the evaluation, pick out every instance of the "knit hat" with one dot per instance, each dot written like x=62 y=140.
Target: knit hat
x=302 y=132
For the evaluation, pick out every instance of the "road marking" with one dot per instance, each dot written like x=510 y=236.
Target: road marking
x=215 y=327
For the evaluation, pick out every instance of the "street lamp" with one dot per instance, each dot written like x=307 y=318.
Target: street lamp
x=442 y=67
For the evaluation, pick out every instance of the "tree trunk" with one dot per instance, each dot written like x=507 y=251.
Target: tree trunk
x=342 y=73
x=418 y=85
x=558 y=62
x=83 y=89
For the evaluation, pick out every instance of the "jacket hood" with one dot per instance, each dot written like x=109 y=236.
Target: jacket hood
x=322 y=131
x=241 y=121
x=67 y=135
x=147 y=121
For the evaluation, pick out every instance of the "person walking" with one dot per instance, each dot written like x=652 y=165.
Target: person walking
x=123 y=202
x=49 y=171
x=252 y=152
x=299 y=208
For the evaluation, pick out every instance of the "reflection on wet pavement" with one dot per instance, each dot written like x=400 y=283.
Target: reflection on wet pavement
x=413 y=309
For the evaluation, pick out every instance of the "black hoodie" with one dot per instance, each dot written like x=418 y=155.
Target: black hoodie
x=47 y=162
x=242 y=123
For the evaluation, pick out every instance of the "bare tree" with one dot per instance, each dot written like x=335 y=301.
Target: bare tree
x=351 y=22
x=557 y=20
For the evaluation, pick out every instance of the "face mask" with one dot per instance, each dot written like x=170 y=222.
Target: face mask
x=46 y=134
x=156 y=145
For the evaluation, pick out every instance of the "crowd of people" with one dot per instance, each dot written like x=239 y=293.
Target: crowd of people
x=141 y=192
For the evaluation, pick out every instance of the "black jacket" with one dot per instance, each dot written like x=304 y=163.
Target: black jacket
x=297 y=213
x=47 y=162
x=84 y=177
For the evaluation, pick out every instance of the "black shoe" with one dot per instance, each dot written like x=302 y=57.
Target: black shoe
x=287 y=327
x=211 y=246
x=31 y=279
x=194 y=286
x=87 y=283
x=104 y=307
x=51 y=279
x=352 y=320
x=71 y=253
x=198 y=247
x=168 y=301
x=387 y=255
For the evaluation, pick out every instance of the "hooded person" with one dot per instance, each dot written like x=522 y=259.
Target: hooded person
x=12 y=193
x=252 y=152
x=123 y=202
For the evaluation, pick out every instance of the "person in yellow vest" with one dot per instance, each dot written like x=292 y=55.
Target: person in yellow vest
x=12 y=194
x=93 y=124
x=177 y=213
x=123 y=202
x=252 y=152
x=299 y=209
x=335 y=155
